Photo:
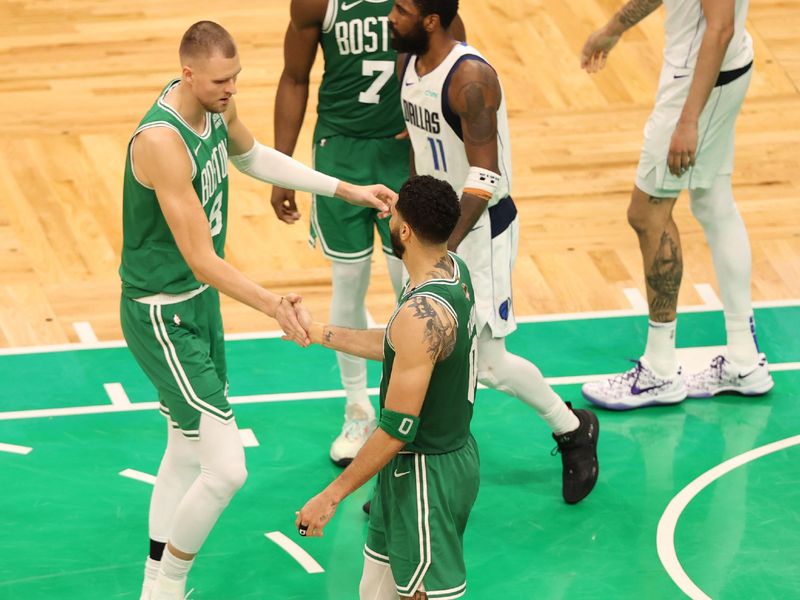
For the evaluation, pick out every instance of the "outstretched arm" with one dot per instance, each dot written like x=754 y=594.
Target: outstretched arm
x=475 y=96
x=271 y=166
x=422 y=334
x=595 y=50
x=719 y=16
x=162 y=163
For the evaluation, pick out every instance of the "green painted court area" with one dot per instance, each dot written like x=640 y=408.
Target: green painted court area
x=72 y=527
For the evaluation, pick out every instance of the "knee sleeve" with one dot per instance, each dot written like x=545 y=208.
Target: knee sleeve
x=350 y=282
x=714 y=205
x=222 y=461
x=377 y=582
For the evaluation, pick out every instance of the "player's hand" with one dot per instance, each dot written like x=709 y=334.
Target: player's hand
x=312 y=518
x=595 y=50
x=403 y=135
x=375 y=196
x=682 y=148
x=284 y=205
x=286 y=315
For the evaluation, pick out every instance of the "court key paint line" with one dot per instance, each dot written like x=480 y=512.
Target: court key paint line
x=46 y=413
x=85 y=332
x=139 y=476
x=296 y=552
x=116 y=394
x=14 y=449
x=665 y=534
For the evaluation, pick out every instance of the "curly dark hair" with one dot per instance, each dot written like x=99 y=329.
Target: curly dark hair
x=446 y=9
x=430 y=206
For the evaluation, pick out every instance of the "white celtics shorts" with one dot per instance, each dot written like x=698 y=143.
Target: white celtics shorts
x=715 y=133
x=491 y=261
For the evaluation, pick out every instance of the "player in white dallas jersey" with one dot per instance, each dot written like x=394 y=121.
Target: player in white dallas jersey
x=455 y=113
x=688 y=144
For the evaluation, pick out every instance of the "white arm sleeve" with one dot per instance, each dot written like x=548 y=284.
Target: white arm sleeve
x=267 y=164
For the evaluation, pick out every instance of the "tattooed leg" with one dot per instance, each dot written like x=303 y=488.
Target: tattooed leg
x=660 y=243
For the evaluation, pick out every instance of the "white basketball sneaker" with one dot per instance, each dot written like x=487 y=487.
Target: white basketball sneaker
x=723 y=376
x=358 y=426
x=636 y=388
x=168 y=589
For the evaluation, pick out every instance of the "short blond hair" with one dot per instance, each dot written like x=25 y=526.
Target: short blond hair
x=204 y=38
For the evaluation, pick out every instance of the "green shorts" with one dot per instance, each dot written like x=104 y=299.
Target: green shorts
x=181 y=348
x=418 y=516
x=346 y=232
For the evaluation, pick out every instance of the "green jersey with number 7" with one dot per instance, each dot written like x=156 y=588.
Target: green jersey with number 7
x=359 y=95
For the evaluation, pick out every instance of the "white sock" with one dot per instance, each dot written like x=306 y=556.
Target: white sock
x=660 y=352
x=222 y=473
x=173 y=567
x=350 y=282
x=151 y=568
x=509 y=373
x=742 y=343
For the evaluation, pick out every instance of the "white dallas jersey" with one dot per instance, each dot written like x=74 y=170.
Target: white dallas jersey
x=435 y=129
x=685 y=25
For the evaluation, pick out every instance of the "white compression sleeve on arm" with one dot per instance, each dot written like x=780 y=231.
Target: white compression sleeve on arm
x=267 y=164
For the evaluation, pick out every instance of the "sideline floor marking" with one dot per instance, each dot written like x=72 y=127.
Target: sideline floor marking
x=116 y=393
x=14 y=449
x=296 y=552
x=249 y=439
x=85 y=332
x=139 y=476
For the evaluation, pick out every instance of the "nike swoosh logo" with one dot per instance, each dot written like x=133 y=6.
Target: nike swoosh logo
x=346 y=6
x=746 y=375
x=636 y=390
x=396 y=474
x=476 y=228
x=196 y=150
x=680 y=76
x=408 y=83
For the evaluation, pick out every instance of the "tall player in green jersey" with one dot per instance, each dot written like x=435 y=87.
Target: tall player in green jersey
x=358 y=137
x=423 y=452
x=175 y=205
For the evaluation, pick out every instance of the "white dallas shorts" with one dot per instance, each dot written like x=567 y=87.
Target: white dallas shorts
x=490 y=261
x=715 y=131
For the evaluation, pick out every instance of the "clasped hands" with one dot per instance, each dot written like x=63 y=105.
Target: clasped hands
x=295 y=319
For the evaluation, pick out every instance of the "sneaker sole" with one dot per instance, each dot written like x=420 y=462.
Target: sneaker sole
x=619 y=406
x=341 y=462
x=758 y=389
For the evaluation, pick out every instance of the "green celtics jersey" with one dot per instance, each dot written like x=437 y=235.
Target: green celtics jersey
x=151 y=261
x=447 y=410
x=359 y=95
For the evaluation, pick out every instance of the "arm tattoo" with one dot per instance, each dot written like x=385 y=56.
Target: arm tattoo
x=443 y=269
x=478 y=115
x=328 y=335
x=636 y=10
x=665 y=279
x=440 y=335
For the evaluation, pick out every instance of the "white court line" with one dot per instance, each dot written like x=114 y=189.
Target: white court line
x=264 y=335
x=139 y=476
x=249 y=439
x=116 y=394
x=296 y=552
x=709 y=296
x=665 y=534
x=42 y=413
x=14 y=449
x=638 y=302
x=85 y=332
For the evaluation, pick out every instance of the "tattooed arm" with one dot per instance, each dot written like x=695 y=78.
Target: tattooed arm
x=366 y=343
x=422 y=334
x=596 y=49
x=475 y=96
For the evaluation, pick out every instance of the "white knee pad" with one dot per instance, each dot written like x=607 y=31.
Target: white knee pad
x=714 y=205
x=377 y=582
x=222 y=461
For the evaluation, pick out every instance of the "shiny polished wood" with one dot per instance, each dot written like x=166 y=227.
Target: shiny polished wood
x=75 y=78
